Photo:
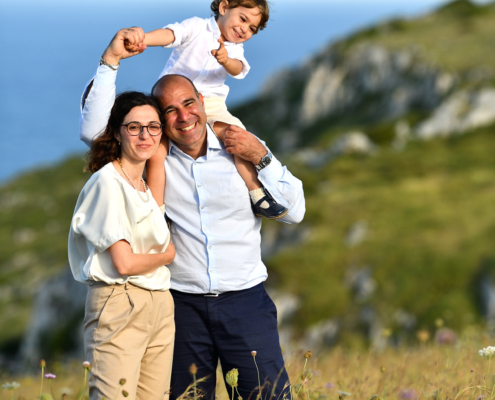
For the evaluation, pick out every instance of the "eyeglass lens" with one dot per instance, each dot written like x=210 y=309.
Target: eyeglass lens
x=135 y=129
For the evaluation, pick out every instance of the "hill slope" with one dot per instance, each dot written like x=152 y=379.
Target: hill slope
x=396 y=239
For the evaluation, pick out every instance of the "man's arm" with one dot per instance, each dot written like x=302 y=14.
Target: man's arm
x=99 y=94
x=285 y=188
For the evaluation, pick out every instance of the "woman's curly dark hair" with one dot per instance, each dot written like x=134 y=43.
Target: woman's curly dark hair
x=262 y=5
x=105 y=148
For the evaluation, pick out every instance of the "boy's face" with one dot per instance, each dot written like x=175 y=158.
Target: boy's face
x=238 y=24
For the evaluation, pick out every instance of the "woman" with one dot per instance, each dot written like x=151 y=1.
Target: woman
x=119 y=245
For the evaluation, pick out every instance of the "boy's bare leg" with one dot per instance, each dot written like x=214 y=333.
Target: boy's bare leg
x=246 y=169
x=263 y=204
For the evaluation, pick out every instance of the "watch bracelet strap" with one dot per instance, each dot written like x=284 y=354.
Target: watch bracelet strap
x=261 y=164
x=114 y=67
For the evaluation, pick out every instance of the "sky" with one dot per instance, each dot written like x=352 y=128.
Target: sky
x=52 y=49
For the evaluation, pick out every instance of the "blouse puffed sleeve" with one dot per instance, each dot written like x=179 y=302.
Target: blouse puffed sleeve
x=101 y=215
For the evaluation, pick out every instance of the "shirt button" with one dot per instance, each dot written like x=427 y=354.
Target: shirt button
x=202 y=207
x=199 y=184
x=210 y=247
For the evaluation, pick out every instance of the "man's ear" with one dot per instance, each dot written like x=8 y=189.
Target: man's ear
x=200 y=97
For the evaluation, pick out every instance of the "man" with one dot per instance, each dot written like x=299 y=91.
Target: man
x=221 y=308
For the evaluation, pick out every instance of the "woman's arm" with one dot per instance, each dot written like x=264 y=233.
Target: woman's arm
x=128 y=263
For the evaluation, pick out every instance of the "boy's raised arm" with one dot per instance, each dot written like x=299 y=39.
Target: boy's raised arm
x=159 y=37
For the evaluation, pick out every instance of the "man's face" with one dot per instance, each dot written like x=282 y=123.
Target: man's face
x=185 y=117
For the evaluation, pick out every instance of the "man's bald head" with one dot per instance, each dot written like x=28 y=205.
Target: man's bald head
x=161 y=84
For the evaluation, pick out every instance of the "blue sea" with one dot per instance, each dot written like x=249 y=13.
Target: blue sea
x=51 y=48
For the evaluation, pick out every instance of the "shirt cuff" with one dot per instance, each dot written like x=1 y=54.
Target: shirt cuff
x=105 y=76
x=245 y=69
x=270 y=175
x=175 y=28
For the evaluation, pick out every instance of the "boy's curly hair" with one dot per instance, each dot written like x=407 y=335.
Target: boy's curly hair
x=262 y=5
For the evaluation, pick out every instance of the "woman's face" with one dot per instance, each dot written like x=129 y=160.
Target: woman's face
x=143 y=146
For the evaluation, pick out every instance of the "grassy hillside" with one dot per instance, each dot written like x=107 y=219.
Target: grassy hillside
x=34 y=219
x=429 y=209
x=431 y=222
x=458 y=37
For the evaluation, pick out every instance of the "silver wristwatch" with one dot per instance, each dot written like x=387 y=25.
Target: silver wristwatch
x=265 y=161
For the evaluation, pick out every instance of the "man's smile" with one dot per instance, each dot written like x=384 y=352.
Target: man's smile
x=187 y=128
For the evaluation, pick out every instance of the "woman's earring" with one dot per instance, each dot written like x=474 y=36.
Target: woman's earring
x=119 y=143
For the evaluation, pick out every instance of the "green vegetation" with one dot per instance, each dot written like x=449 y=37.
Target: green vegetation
x=428 y=371
x=431 y=222
x=429 y=209
x=34 y=224
x=458 y=37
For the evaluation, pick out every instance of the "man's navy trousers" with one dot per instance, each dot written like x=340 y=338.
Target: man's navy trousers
x=228 y=328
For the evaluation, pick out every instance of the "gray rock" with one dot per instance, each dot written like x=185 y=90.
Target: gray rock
x=402 y=135
x=357 y=233
x=348 y=143
x=461 y=112
x=487 y=296
x=368 y=81
x=320 y=336
x=278 y=237
x=59 y=301
x=361 y=283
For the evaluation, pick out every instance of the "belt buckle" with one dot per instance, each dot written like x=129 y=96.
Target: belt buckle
x=211 y=295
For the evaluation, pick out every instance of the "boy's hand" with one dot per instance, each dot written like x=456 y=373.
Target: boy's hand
x=221 y=53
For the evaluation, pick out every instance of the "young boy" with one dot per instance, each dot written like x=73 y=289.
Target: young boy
x=197 y=56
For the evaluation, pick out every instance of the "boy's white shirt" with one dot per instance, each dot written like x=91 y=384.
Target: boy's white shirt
x=195 y=38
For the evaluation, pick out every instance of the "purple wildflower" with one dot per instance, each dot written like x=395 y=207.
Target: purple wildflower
x=50 y=376
x=408 y=394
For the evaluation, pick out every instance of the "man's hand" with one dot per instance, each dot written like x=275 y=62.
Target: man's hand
x=221 y=53
x=244 y=144
x=126 y=43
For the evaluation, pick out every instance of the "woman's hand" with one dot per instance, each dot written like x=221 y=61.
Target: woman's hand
x=128 y=263
x=126 y=43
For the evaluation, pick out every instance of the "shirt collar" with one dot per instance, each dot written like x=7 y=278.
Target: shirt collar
x=213 y=27
x=212 y=141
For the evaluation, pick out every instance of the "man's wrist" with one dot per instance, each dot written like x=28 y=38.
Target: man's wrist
x=264 y=161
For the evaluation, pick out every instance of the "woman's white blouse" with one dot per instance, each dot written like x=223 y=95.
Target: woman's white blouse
x=109 y=209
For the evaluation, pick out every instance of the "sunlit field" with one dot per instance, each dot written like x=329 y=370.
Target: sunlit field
x=427 y=370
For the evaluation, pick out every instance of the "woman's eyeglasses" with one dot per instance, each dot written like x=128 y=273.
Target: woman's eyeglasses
x=135 y=128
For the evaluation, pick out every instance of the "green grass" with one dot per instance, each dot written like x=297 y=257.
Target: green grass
x=422 y=371
x=457 y=37
x=34 y=220
x=431 y=221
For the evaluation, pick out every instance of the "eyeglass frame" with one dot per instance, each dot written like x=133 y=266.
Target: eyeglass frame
x=142 y=128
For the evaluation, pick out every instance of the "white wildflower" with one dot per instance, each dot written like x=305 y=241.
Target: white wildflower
x=487 y=352
x=11 y=385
